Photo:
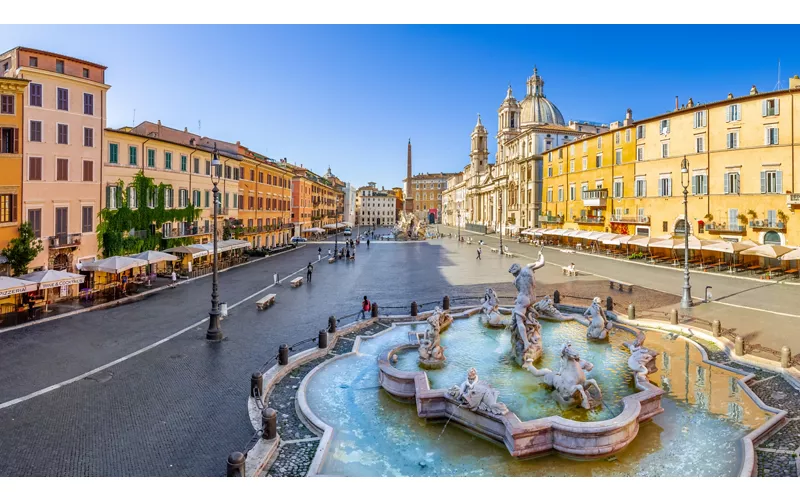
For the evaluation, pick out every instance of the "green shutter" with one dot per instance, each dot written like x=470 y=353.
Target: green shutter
x=108 y=196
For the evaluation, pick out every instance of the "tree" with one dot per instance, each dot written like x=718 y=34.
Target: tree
x=23 y=249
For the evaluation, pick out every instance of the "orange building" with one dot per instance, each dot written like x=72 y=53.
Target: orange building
x=12 y=93
x=264 y=200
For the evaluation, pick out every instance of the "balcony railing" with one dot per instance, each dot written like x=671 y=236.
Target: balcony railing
x=723 y=228
x=793 y=199
x=64 y=240
x=767 y=224
x=630 y=219
x=551 y=219
x=590 y=220
x=178 y=232
x=594 y=197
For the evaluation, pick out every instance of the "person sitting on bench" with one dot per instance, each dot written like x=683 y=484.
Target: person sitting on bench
x=569 y=270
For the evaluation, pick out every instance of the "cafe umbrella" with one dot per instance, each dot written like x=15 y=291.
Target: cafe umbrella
x=52 y=279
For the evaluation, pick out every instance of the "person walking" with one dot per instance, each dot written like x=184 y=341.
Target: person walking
x=309 y=270
x=174 y=278
x=479 y=254
x=367 y=242
x=365 y=308
x=320 y=253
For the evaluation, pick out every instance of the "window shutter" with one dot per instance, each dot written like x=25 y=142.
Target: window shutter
x=764 y=107
x=777 y=106
x=669 y=187
x=13 y=208
x=660 y=188
x=725 y=179
x=779 y=182
x=728 y=114
x=108 y=196
x=16 y=141
x=766 y=136
x=763 y=182
x=736 y=179
x=694 y=185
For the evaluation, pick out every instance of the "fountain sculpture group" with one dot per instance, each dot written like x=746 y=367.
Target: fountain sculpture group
x=431 y=352
x=409 y=227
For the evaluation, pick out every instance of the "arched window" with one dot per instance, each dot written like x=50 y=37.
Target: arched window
x=680 y=226
x=772 y=238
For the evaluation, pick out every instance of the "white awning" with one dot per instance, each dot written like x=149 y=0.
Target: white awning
x=114 y=265
x=53 y=279
x=194 y=250
x=12 y=286
x=152 y=256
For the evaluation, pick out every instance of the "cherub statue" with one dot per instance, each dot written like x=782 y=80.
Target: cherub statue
x=547 y=309
x=599 y=325
x=477 y=395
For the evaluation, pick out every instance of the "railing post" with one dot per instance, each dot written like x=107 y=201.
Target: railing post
x=786 y=357
x=374 y=309
x=446 y=303
x=269 y=423
x=673 y=317
x=739 y=346
x=631 y=311
x=609 y=304
x=331 y=324
x=322 y=341
x=414 y=309
x=256 y=384
x=236 y=464
x=716 y=328
x=556 y=297
x=283 y=354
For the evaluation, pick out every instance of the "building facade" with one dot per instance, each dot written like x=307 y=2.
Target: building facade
x=376 y=207
x=313 y=199
x=428 y=189
x=64 y=118
x=12 y=103
x=740 y=156
x=265 y=197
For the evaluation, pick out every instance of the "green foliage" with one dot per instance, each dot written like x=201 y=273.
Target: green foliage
x=23 y=249
x=114 y=230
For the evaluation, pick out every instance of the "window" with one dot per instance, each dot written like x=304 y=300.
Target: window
x=88 y=171
x=151 y=158
x=35 y=95
x=62 y=99
x=731 y=181
x=627 y=135
x=62 y=169
x=167 y=160
x=771 y=136
x=33 y=62
x=640 y=153
x=59 y=66
x=35 y=131
x=7 y=104
x=617 y=188
x=560 y=193
x=197 y=165
x=770 y=107
x=699 y=144
x=772 y=218
x=733 y=139
x=111 y=197
x=585 y=146
x=184 y=162
x=87 y=219
x=584 y=163
x=572 y=165
x=183 y=198
x=208 y=167
x=598 y=160
x=550 y=195
x=560 y=168
x=113 y=153
x=196 y=198
x=618 y=157
x=550 y=156
x=733 y=113
x=8 y=208
x=665 y=150
x=169 y=197
x=664 y=226
x=132 y=153
x=152 y=198
x=699 y=119
x=208 y=198
x=34 y=169
x=549 y=171
x=664 y=127
x=700 y=184
x=35 y=220
x=132 y=201
x=616 y=137
x=640 y=131
x=63 y=134
x=771 y=181
x=665 y=186
x=733 y=218
x=86 y=72
x=88 y=104
x=88 y=137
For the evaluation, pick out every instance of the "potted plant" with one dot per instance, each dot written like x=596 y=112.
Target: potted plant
x=709 y=217
x=752 y=214
x=782 y=219
x=743 y=219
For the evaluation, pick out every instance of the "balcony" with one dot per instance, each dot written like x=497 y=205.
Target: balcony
x=64 y=240
x=590 y=220
x=551 y=219
x=767 y=225
x=594 y=197
x=792 y=199
x=630 y=219
x=723 y=228
x=185 y=232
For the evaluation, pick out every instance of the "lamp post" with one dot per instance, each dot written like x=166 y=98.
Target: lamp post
x=500 y=216
x=214 y=333
x=686 y=299
x=458 y=214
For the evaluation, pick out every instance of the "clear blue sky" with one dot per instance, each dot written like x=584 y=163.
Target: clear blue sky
x=351 y=96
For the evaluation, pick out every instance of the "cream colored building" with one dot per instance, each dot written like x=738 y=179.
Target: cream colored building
x=375 y=207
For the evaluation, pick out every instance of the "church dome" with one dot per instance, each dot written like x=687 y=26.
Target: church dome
x=536 y=108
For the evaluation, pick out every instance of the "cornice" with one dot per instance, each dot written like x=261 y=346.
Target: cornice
x=74 y=79
x=13 y=85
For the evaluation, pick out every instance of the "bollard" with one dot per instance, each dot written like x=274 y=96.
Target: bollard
x=374 y=309
x=331 y=324
x=256 y=383
x=322 y=343
x=673 y=317
x=631 y=311
x=786 y=357
x=716 y=328
x=236 y=464
x=269 y=423
x=414 y=309
x=283 y=354
x=556 y=297
x=446 y=303
x=739 y=349
x=609 y=304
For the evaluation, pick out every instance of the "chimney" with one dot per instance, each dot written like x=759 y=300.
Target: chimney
x=628 y=117
x=794 y=82
x=677 y=106
x=753 y=90
x=690 y=104
x=185 y=130
x=730 y=95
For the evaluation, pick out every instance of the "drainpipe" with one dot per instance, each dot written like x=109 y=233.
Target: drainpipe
x=708 y=157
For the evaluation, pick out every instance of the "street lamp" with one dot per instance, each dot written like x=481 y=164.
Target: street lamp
x=500 y=216
x=686 y=300
x=214 y=333
x=458 y=214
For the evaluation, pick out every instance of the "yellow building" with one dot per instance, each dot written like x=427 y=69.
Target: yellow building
x=265 y=197
x=12 y=92
x=740 y=154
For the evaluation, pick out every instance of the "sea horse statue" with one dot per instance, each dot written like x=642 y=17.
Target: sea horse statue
x=571 y=386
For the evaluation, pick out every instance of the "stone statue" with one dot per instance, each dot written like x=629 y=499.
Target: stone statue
x=599 y=325
x=642 y=361
x=477 y=395
x=525 y=329
x=570 y=382
x=491 y=310
x=546 y=309
x=431 y=352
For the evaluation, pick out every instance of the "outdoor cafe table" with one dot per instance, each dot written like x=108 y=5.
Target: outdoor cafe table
x=753 y=268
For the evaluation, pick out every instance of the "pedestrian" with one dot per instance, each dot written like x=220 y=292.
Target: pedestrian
x=367 y=242
x=329 y=253
x=174 y=278
x=365 y=308
x=320 y=253
x=348 y=253
x=309 y=270
x=479 y=254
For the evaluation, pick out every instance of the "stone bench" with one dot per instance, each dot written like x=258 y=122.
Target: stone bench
x=297 y=282
x=266 y=301
x=567 y=272
x=620 y=284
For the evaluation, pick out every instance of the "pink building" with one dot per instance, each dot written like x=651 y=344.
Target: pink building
x=65 y=115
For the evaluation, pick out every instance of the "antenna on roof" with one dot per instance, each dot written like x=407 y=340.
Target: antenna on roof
x=199 y=126
x=134 y=118
x=778 y=85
